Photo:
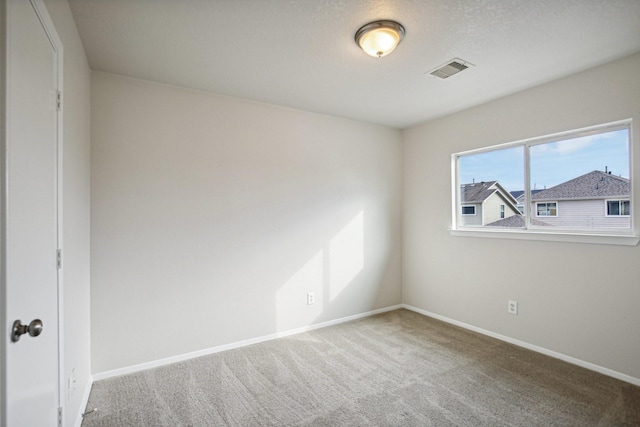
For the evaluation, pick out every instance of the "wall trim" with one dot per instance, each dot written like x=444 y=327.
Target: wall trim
x=238 y=344
x=84 y=401
x=528 y=346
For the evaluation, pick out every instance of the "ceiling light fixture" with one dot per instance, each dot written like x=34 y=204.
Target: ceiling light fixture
x=379 y=38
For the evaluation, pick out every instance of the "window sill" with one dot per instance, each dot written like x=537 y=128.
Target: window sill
x=601 y=239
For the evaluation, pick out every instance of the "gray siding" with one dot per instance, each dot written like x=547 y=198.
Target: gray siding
x=472 y=220
x=583 y=214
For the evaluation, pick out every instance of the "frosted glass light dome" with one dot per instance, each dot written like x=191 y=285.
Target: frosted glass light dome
x=379 y=38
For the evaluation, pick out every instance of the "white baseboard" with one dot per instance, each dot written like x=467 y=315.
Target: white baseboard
x=545 y=351
x=85 y=399
x=231 y=346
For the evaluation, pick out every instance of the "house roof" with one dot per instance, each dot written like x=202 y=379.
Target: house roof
x=515 y=221
x=519 y=195
x=593 y=185
x=477 y=192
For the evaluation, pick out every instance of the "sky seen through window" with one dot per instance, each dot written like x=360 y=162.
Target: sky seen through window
x=550 y=163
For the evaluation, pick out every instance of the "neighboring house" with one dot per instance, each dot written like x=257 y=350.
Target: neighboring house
x=485 y=202
x=594 y=200
x=519 y=196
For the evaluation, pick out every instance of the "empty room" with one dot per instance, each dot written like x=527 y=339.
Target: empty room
x=320 y=212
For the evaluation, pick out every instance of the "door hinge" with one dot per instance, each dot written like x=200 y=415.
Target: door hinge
x=59 y=258
x=59 y=100
x=60 y=416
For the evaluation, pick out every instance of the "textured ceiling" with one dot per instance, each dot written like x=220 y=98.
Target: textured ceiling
x=301 y=53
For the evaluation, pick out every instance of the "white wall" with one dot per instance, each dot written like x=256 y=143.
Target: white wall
x=212 y=217
x=76 y=204
x=577 y=299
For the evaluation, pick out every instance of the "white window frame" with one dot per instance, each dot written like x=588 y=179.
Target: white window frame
x=546 y=203
x=606 y=207
x=502 y=211
x=626 y=237
x=475 y=211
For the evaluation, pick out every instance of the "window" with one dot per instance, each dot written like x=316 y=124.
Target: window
x=468 y=210
x=547 y=209
x=618 y=208
x=553 y=184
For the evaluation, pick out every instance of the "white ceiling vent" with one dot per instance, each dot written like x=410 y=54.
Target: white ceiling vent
x=450 y=68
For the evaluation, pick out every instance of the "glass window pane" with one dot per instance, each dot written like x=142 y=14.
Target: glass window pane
x=575 y=176
x=489 y=180
x=468 y=210
x=626 y=207
x=542 y=209
x=570 y=179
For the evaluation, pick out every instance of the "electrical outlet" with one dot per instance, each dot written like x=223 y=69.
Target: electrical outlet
x=512 y=307
x=311 y=298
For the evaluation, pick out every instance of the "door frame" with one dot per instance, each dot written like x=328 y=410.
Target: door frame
x=43 y=15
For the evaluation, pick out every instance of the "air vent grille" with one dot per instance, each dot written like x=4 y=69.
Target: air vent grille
x=450 y=68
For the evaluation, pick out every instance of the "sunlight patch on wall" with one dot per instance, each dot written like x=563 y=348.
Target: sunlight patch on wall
x=326 y=274
x=346 y=255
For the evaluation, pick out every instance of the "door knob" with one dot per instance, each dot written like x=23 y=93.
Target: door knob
x=34 y=329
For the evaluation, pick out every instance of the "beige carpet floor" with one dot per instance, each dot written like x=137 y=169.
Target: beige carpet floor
x=394 y=369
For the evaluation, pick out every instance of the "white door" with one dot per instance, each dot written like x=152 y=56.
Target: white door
x=31 y=383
